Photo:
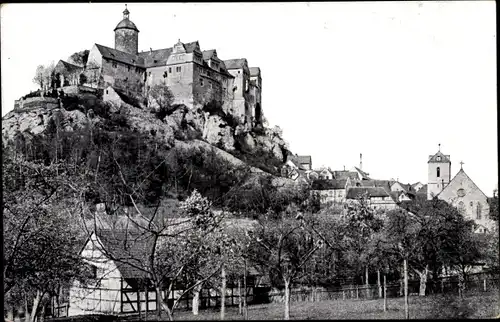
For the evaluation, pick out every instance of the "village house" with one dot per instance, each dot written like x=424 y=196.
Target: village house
x=330 y=191
x=377 y=197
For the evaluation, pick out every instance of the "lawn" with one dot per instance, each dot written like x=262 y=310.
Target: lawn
x=479 y=305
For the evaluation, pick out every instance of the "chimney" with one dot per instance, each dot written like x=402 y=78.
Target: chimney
x=360 y=161
x=150 y=50
x=344 y=168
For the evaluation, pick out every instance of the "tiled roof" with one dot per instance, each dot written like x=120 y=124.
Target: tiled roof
x=329 y=184
x=190 y=46
x=235 y=63
x=444 y=158
x=123 y=57
x=208 y=54
x=156 y=57
x=67 y=66
x=254 y=71
x=128 y=249
x=364 y=175
x=344 y=174
x=423 y=190
x=395 y=195
x=354 y=192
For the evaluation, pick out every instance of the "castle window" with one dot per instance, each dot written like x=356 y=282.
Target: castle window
x=478 y=211
x=438 y=172
x=471 y=204
x=178 y=69
x=201 y=82
x=170 y=69
x=115 y=64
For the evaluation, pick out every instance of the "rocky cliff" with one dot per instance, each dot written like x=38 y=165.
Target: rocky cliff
x=262 y=148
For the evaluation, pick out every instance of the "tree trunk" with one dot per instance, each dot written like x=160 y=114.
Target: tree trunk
x=26 y=310
x=160 y=304
x=378 y=284
x=36 y=304
x=367 y=283
x=245 y=307
x=196 y=298
x=405 y=265
x=385 y=295
x=240 y=301
x=287 y=299
x=223 y=292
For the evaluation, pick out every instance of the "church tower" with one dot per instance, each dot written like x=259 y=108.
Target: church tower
x=439 y=173
x=127 y=35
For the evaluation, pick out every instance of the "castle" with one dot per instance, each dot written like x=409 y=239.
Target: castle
x=195 y=77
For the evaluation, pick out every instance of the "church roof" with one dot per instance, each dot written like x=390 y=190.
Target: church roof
x=443 y=158
x=235 y=63
x=123 y=57
x=461 y=172
x=126 y=24
x=254 y=71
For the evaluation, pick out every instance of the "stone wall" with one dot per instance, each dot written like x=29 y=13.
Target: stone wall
x=35 y=102
x=125 y=77
x=127 y=40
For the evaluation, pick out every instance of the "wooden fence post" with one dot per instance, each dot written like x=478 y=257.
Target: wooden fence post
x=357 y=292
x=343 y=294
x=484 y=284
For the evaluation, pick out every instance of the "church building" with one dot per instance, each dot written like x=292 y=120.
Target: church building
x=459 y=191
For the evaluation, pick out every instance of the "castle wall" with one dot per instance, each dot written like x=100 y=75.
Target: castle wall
x=125 y=77
x=207 y=86
x=127 y=40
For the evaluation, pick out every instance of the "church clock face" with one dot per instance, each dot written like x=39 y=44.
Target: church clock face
x=460 y=192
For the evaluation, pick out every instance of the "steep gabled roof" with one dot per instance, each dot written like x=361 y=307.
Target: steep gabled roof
x=191 y=46
x=123 y=57
x=434 y=158
x=208 y=54
x=67 y=66
x=235 y=63
x=354 y=192
x=461 y=172
x=364 y=175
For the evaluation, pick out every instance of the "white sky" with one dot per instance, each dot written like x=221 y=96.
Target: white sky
x=390 y=80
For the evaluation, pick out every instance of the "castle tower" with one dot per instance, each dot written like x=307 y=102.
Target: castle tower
x=127 y=35
x=439 y=173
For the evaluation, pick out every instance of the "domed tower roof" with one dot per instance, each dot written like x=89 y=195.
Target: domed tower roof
x=126 y=23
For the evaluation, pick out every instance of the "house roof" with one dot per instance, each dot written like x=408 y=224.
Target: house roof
x=156 y=58
x=129 y=250
x=67 y=66
x=237 y=63
x=329 y=184
x=354 y=192
x=344 y=174
x=254 y=71
x=395 y=195
x=363 y=174
x=190 y=46
x=123 y=57
x=434 y=158
x=208 y=54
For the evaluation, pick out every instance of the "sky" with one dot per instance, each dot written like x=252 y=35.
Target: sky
x=390 y=80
